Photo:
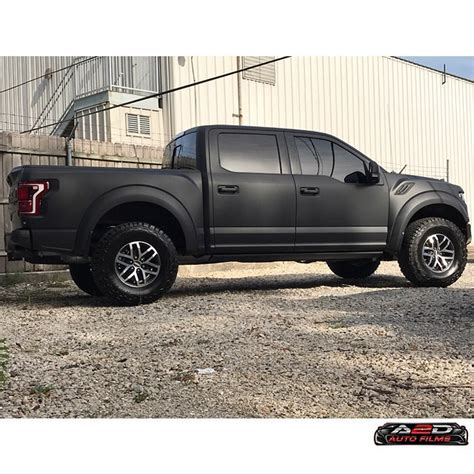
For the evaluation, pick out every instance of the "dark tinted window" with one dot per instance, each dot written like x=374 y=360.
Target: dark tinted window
x=309 y=159
x=326 y=158
x=181 y=153
x=186 y=154
x=315 y=156
x=168 y=156
x=347 y=167
x=249 y=153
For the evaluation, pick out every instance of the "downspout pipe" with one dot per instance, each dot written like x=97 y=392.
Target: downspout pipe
x=239 y=90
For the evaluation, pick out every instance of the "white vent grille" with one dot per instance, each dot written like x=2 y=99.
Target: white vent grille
x=132 y=124
x=144 y=125
x=265 y=74
x=138 y=124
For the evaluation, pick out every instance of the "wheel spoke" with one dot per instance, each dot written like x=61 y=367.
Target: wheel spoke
x=444 y=243
x=133 y=274
x=149 y=249
x=150 y=272
x=124 y=256
x=449 y=252
x=129 y=267
x=149 y=264
x=155 y=253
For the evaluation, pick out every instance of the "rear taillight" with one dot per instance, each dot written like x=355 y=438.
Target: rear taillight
x=30 y=195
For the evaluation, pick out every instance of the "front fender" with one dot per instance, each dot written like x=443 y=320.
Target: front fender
x=128 y=194
x=411 y=207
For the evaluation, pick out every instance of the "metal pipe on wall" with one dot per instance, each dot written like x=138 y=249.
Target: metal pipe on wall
x=239 y=90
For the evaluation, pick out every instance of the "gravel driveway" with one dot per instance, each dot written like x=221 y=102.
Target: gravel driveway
x=288 y=340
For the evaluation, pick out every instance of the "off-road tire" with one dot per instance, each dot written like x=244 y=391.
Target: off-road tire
x=103 y=263
x=354 y=269
x=81 y=275
x=410 y=258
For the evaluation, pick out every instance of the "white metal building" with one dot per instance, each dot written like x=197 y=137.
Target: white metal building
x=396 y=112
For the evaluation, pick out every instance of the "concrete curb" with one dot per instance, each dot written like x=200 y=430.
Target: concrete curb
x=7 y=279
x=185 y=271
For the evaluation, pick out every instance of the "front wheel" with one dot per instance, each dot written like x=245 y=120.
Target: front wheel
x=134 y=263
x=354 y=269
x=433 y=252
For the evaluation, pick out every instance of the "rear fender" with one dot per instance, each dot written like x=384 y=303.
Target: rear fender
x=129 y=194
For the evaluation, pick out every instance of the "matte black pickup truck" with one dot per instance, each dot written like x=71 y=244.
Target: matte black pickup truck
x=228 y=193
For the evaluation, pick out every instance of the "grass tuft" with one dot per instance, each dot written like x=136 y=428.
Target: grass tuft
x=42 y=389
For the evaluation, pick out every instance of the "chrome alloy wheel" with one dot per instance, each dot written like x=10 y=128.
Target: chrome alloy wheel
x=438 y=253
x=137 y=264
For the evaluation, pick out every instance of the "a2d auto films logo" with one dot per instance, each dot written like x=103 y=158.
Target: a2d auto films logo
x=421 y=433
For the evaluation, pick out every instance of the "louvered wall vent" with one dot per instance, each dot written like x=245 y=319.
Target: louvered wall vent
x=144 y=125
x=265 y=74
x=138 y=124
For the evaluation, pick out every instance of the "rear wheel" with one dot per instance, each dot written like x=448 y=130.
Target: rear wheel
x=134 y=263
x=433 y=252
x=354 y=269
x=81 y=275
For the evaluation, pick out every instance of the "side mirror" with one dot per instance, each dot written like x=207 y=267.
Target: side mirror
x=373 y=173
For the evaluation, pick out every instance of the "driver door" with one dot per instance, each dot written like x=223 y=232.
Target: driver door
x=336 y=209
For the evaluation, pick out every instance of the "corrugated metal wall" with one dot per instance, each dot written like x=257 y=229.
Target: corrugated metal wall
x=395 y=112
x=20 y=108
x=47 y=100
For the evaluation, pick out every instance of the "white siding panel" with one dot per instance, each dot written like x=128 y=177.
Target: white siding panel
x=395 y=112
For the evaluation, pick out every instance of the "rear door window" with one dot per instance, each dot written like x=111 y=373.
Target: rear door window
x=249 y=153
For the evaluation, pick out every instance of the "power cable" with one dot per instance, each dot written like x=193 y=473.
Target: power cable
x=160 y=94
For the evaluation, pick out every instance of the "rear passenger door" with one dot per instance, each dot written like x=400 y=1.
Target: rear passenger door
x=253 y=193
x=336 y=209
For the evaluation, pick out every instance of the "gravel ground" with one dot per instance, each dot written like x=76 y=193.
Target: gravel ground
x=288 y=340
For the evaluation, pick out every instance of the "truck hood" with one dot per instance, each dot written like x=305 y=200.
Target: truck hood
x=434 y=183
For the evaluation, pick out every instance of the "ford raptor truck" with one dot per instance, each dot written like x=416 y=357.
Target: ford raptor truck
x=234 y=193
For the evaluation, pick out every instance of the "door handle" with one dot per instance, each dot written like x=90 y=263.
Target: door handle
x=309 y=190
x=227 y=189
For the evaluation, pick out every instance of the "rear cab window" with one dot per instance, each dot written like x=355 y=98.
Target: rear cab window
x=181 y=153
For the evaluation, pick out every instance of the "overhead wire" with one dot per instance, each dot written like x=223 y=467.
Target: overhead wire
x=16 y=86
x=162 y=93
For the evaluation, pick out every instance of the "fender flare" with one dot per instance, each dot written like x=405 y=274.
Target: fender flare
x=411 y=207
x=129 y=194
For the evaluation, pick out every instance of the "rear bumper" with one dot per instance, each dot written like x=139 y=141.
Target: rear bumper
x=17 y=244
x=20 y=245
